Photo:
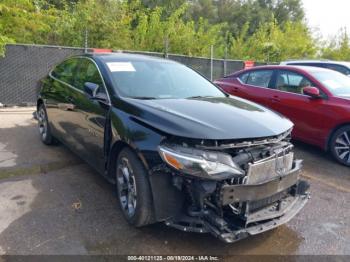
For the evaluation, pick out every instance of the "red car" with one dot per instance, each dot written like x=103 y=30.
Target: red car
x=317 y=100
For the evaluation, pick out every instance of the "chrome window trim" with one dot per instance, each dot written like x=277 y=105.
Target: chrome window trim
x=64 y=83
x=275 y=89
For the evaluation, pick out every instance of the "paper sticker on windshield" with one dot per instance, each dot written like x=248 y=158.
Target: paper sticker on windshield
x=121 y=67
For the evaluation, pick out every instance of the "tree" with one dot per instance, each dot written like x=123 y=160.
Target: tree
x=3 y=41
x=169 y=6
x=184 y=37
x=247 y=29
x=273 y=42
x=23 y=22
x=107 y=24
x=338 y=48
x=288 y=10
x=203 y=9
x=255 y=12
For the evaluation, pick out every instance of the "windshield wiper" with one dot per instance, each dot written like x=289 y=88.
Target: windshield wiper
x=143 y=97
x=199 y=97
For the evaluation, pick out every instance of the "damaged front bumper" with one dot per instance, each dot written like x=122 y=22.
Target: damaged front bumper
x=271 y=221
x=237 y=211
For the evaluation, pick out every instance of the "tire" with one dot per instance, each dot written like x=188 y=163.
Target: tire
x=133 y=189
x=44 y=127
x=340 y=145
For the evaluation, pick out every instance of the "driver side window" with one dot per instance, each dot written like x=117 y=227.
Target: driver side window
x=88 y=72
x=291 y=82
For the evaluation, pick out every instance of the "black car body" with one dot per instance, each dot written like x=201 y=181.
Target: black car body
x=201 y=161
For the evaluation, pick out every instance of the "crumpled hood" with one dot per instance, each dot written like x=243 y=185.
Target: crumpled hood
x=209 y=118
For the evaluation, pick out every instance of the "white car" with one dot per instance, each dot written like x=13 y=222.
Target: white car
x=342 y=67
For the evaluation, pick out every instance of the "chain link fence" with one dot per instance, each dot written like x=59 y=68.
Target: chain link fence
x=24 y=65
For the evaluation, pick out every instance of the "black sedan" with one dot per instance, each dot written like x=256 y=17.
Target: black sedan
x=178 y=149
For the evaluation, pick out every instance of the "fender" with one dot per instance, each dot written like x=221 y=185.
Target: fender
x=143 y=140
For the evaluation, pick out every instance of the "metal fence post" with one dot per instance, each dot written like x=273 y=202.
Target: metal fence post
x=211 y=62
x=225 y=63
x=86 y=40
x=166 y=47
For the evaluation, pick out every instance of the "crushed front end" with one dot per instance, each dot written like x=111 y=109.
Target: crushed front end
x=233 y=189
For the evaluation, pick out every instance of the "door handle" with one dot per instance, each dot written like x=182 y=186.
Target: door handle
x=275 y=99
x=235 y=89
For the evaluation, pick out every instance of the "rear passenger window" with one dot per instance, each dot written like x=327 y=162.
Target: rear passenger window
x=66 y=71
x=244 y=77
x=260 y=78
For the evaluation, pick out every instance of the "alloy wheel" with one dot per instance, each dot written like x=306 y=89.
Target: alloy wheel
x=342 y=146
x=126 y=187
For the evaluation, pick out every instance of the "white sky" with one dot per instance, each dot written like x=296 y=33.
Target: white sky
x=328 y=16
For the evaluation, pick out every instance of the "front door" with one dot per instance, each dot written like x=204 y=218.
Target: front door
x=91 y=117
x=305 y=112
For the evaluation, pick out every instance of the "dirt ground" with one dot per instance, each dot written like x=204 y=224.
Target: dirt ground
x=53 y=203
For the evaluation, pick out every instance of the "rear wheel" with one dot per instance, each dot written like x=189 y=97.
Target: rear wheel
x=44 y=128
x=133 y=189
x=340 y=145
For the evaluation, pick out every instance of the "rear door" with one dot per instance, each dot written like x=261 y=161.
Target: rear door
x=252 y=85
x=58 y=92
x=256 y=86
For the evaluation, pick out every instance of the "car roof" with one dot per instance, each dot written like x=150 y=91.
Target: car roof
x=307 y=69
x=344 y=63
x=125 y=57
x=312 y=68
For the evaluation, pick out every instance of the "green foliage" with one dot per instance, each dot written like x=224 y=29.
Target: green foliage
x=237 y=13
x=186 y=37
x=3 y=41
x=273 y=42
x=263 y=30
x=106 y=23
x=22 y=21
x=338 y=48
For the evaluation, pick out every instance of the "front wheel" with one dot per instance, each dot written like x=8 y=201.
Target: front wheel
x=340 y=145
x=133 y=189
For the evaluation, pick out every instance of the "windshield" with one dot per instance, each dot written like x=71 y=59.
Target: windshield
x=337 y=83
x=159 y=80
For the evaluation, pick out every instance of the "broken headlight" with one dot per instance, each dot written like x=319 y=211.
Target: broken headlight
x=200 y=163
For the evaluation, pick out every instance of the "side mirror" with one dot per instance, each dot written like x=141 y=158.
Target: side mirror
x=311 y=91
x=91 y=89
